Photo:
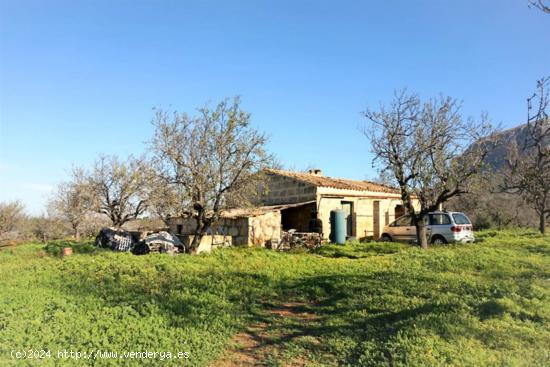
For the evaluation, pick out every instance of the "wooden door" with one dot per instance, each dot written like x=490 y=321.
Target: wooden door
x=376 y=219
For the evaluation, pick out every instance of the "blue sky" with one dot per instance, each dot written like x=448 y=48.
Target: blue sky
x=80 y=78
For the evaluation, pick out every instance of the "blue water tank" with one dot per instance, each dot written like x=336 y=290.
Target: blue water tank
x=337 y=226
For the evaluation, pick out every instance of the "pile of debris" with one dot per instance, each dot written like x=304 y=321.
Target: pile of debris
x=139 y=243
x=292 y=239
x=115 y=239
x=162 y=242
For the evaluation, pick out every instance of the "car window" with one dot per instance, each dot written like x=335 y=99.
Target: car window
x=403 y=221
x=460 y=218
x=439 y=219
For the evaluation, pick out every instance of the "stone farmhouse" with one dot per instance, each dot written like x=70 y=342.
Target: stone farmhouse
x=294 y=199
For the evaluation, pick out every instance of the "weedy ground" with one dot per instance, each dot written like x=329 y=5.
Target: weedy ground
x=373 y=304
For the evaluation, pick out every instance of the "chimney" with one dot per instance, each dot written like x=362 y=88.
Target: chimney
x=315 y=172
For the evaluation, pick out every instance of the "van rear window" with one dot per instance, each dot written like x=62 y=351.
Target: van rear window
x=460 y=219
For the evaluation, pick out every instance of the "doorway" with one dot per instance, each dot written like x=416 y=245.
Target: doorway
x=347 y=207
x=297 y=217
x=399 y=211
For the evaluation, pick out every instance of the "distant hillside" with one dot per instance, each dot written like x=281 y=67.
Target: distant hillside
x=505 y=140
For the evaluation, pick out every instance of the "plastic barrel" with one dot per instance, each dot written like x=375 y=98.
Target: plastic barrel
x=337 y=226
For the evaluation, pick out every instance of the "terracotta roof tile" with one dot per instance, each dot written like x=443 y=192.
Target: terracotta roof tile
x=336 y=183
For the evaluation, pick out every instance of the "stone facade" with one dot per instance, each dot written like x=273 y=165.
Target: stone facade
x=208 y=243
x=253 y=230
x=372 y=206
x=286 y=190
x=264 y=228
x=236 y=228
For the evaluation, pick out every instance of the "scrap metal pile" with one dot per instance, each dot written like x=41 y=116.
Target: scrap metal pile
x=139 y=243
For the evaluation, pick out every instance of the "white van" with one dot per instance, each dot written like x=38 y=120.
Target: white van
x=442 y=227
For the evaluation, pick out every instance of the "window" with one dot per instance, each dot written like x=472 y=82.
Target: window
x=403 y=222
x=439 y=219
x=179 y=228
x=460 y=218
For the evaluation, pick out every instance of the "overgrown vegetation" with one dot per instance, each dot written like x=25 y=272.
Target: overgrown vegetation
x=374 y=304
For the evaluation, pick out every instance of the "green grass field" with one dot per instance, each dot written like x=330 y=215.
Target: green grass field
x=486 y=304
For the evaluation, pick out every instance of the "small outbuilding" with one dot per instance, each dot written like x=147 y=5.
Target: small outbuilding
x=302 y=201
x=239 y=227
x=367 y=206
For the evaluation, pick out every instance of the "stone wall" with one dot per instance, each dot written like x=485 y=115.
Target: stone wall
x=236 y=228
x=286 y=190
x=364 y=218
x=243 y=231
x=208 y=243
x=264 y=228
x=185 y=225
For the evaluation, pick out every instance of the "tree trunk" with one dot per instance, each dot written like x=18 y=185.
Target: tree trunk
x=197 y=237
x=421 y=233
x=200 y=230
x=76 y=232
x=542 y=223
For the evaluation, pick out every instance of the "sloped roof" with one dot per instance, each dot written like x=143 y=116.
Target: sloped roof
x=336 y=183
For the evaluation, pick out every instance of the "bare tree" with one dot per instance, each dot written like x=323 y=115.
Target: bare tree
x=92 y=224
x=213 y=161
x=45 y=227
x=541 y=5
x=164 y=199
x=11 y=214
x=118 y=188
x=528 y=173
x=72 y=201
x=427 y=147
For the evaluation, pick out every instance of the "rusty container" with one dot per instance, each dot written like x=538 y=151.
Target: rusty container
x=66 y=251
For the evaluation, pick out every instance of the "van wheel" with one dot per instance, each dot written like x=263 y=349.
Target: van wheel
x=439 y=240
x=386 y=238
